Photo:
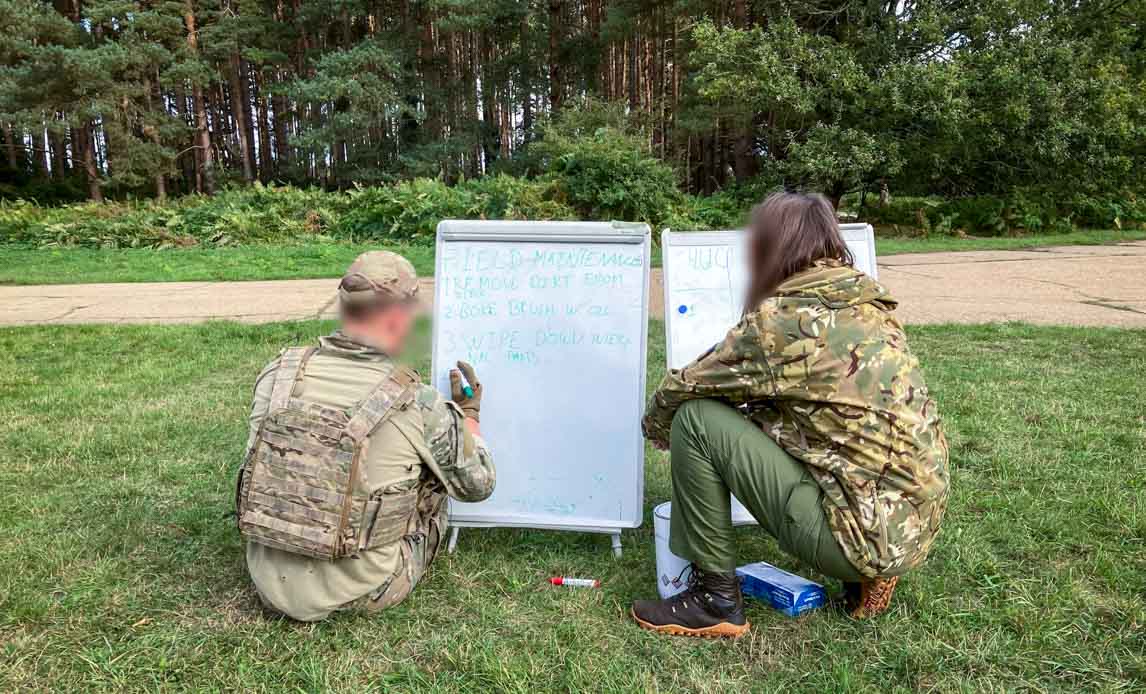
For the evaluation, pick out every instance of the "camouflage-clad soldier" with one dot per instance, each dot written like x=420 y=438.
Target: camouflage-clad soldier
x=814 y=413
x=350 y=459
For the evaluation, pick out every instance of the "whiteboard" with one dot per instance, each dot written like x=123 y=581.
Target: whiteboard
x=705 y=278
x=554 y=318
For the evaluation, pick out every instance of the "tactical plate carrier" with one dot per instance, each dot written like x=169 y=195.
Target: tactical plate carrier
x=301 y=488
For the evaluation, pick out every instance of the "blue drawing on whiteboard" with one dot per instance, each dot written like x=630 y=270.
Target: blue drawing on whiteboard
x=683 y=309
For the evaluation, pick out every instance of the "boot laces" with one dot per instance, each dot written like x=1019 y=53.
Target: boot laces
x=878 y=594
x=695 y=590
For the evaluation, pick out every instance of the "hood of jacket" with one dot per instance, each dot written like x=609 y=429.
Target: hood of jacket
x=836 y=286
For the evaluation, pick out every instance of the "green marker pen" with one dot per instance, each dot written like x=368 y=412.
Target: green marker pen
x=467 y=391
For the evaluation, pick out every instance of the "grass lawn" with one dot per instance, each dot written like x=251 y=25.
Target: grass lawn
x=1087 y=237
x=234 y=263
x=119 y=446
x=302 y=261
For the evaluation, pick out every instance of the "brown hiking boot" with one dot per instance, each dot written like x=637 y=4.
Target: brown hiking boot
x=712 y=607
x=869 y=598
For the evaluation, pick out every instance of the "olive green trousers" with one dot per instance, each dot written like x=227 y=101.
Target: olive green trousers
x=716 y=450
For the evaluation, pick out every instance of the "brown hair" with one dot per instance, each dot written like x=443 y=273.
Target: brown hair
x=787 y=233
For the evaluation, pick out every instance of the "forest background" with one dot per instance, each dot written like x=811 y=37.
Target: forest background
x=375 y=118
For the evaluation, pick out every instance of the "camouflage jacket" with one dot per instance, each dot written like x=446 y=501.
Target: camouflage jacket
x=424 y=450
x=823 y=367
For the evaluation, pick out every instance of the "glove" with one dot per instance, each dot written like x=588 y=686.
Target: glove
x=471 y=403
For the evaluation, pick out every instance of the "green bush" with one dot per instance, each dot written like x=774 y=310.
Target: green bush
x=1025 y=211
x=410 y=211
x=508 y=197
x=578 y=188
x=606 y=174
x=256 y=214
x=1107 y=212
x=17 y=187
x=725 y=209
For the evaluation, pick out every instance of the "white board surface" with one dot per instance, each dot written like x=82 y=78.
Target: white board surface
x=553 y=316
x=705 y=278
x=860 y=239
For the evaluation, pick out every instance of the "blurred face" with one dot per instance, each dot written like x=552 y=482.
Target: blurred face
x=388 y=327
x=396 y=322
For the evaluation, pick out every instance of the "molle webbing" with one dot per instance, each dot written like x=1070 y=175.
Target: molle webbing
x=390 y=516
x=394 y=392
x=301 y=489
x=291 y=365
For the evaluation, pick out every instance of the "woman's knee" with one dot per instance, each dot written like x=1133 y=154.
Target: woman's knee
x=690 y=417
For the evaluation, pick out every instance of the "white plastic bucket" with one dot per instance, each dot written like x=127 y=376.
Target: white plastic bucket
x=741 y=515
x=672 y=571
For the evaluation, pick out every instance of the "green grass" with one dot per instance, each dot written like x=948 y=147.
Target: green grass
x=1086 y=237
x=303 y=261
x=118 y=450
x=233 y=263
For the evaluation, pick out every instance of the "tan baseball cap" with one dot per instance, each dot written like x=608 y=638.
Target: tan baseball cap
x=379 y=277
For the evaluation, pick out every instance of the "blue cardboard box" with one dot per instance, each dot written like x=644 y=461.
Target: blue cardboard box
x=787 y=592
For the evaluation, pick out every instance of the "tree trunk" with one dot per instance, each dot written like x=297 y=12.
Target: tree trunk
x=555 y=67
x=526 y=87
x=491 y=125
x=205 y=165
x=432 y=96
x=59 y=151
x=188 y=165
x=281 y=118
x=153 y=135
x=95 y=186
x=265 y=163
x=239 y=114
x=10 y=149
x=505 y=125
x=676 y=60
x=708 y=166
x=743 y=158
x=634 y=98
x=46 y=150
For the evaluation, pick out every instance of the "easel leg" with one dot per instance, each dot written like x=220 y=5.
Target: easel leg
x=617 y=546
x=453 y=543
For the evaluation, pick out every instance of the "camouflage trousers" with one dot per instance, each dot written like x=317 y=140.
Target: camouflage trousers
x=714 y=450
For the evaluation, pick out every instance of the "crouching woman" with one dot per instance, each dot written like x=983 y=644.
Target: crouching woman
x=814 y=413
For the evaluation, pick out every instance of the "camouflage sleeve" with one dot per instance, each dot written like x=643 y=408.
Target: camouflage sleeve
x=735 y=370
x=260 y=401
x=459 y=459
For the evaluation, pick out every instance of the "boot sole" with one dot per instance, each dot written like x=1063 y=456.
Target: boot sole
x=724 y=630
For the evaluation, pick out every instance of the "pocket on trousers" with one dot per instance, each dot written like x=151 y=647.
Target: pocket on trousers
x=803 y=522
x=396 y=588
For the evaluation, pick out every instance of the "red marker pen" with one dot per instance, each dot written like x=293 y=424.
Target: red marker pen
x=575 y=582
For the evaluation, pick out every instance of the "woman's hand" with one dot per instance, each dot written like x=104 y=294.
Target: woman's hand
x=654 y=440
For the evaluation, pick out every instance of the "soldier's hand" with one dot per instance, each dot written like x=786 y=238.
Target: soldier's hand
x=468 y=394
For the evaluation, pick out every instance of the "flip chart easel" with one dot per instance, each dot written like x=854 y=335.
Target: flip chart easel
x=554 y=318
